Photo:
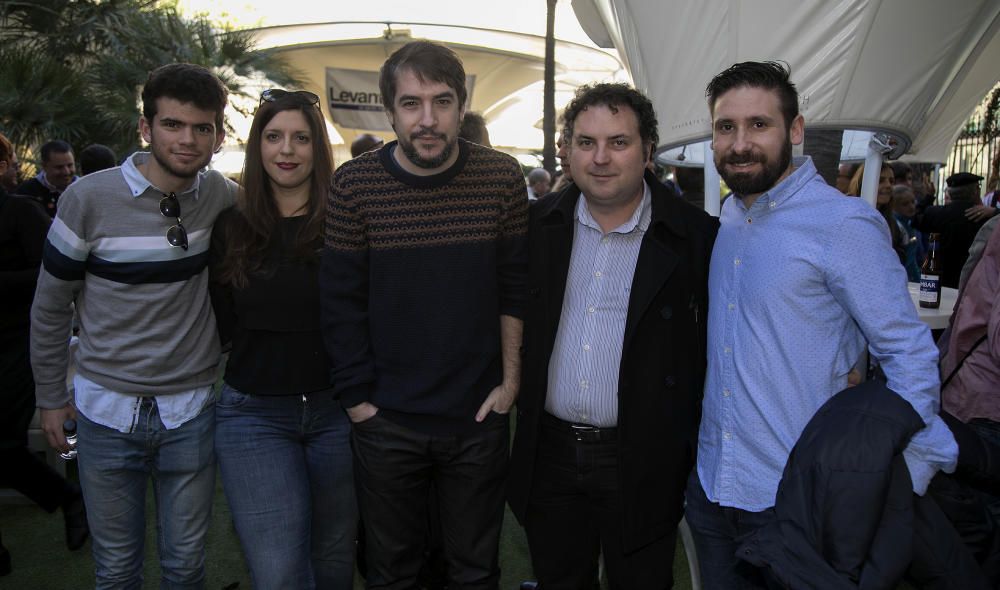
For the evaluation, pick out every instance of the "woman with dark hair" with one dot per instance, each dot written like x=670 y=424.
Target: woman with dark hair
x=282 y=439
x=883 y=202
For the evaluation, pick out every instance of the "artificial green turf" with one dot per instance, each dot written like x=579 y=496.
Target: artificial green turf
x=41 y=561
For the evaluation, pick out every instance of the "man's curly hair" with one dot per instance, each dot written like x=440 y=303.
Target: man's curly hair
x=613 y=96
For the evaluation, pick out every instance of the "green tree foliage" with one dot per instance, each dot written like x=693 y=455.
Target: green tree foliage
x=73 y=69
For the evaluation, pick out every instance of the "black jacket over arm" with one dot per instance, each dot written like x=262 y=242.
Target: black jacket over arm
x=663 y=355
x=846 y=515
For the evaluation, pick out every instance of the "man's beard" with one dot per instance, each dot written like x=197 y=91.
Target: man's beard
x=429 y=163
x=745 y=183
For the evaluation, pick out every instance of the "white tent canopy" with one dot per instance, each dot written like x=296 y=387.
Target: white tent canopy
x=507 y=67
x=913 y=68
x=501 y=43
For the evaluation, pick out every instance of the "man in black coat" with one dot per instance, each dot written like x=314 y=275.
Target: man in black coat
x=58 y=171
x=958 y=222
x=614 y=356
x=23 y=225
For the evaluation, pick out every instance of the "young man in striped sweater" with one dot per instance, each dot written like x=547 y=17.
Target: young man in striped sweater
x=129 y=247
x=422 y=288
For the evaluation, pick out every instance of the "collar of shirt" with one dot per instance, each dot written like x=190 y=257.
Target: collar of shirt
x=138 y=184
x=639 y=220
x=803 y=171
x=45 y=182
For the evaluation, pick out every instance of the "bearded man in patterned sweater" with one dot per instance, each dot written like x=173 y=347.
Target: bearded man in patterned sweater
x=422 y=286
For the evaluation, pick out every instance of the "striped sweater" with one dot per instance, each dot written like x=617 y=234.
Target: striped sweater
x=415 y=274
x=146 y=324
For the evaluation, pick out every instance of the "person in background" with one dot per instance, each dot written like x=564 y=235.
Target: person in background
x=96 y=157
x=957 y=227
x=970 y=361
x=474 y=129
x=992 y=196
x=566 y=172
x=23 y=225
x=904 y=208
x=691 y=182
x=282 y=439
x=422 y=286
x=11 y=176
x=365 y=142
x=985 y=209
x=539 y=181
x=58 y=171
x=902 y=172
x=791 y=310
x=129 y=247
x=844 y=176
x=883 y=203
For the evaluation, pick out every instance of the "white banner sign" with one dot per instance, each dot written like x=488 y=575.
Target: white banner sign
x=354 y=100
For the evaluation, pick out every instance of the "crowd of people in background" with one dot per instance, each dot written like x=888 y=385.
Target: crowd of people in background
x=383 y=319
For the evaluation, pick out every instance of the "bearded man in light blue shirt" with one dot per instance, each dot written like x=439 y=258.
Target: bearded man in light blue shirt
x=801 y=280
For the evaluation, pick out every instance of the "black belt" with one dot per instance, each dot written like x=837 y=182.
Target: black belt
x=580 y=432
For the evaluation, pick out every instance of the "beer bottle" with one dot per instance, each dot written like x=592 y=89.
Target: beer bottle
x=69 y=430
x=930 y=275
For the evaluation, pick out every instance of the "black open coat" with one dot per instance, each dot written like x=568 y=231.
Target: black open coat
x=663 y=356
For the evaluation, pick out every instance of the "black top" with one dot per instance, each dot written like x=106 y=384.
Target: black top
x=23 y=225
x=42 y=194
x=273 y=323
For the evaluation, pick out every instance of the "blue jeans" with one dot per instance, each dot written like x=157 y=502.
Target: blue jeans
x=114 y=469
x=287 y=473
x=717 y=531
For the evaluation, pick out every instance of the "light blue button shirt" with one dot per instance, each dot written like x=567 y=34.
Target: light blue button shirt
x=799 y=282
x=587 y=354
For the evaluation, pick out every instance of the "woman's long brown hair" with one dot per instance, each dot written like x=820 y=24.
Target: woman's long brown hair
x=252 y=231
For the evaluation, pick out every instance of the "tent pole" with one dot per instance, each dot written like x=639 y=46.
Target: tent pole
x=878 y=145
x=713 y=192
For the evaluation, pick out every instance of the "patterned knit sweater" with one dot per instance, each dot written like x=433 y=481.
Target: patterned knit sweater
x=416 y=272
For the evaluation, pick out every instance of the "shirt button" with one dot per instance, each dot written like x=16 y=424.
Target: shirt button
x=604 y=240
x=726 y=435
x=725 y=392
x=749 y=220
x=598 y=274
x=732 y=306
x=583 y=383
x=586 y=347
x=736 y=262
x=727 y=350
x=591 y=309
x=771 y=205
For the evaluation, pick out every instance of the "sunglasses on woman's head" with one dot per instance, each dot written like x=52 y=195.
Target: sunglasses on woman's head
x=273 y=94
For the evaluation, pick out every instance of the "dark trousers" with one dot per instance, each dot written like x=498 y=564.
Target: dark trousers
x=394 y=467
x=717 y=531
x=990 y=432
x=575 y=513
x=974 y=513
x=19 y=468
